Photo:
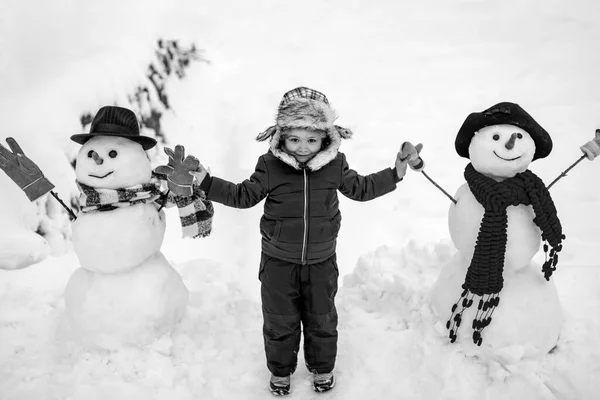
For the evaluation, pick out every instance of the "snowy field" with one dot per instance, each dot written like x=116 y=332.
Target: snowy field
x=394 y=71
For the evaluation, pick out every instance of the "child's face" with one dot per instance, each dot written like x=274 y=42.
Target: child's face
x=302 y=144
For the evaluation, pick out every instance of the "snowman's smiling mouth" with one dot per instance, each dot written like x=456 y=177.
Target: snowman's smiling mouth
x=101 y=177
x=506 y=159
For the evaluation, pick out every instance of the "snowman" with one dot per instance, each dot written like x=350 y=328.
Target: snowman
x=491 y=294
x=125 y=291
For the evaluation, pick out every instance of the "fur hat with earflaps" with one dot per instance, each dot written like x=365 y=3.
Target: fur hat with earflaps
x=305 y=108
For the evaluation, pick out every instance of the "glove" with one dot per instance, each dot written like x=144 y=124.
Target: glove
x=200 y=174
x=592 y=148
x=179 y=179
x=24 y=172
x=409 y=154
x=415 y=162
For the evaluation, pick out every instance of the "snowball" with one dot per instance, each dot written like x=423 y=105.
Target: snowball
x=121 y=163
x=489 y=154
x=20 y=243
x=523 y=235
x=20 y=248
x=135 y=307
x=118 y=240
x=526 y=323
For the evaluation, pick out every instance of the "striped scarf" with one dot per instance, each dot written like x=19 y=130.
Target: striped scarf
x=484 y=275
x=195 y=212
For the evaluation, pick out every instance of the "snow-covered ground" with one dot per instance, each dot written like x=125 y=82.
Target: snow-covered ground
x=394 y=71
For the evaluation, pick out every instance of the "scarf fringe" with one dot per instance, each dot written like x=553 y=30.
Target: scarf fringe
x=551 y=260
x=485 y=309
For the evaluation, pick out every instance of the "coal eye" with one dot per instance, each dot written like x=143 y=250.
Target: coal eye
x=112 y=153
x=90 y=153
x=519 y=136
x=496 y=136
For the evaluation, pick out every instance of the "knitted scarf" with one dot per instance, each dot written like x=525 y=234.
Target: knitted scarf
x=195 y=212
x=484 y=275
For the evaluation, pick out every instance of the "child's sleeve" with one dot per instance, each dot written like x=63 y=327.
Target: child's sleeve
x=367 y=187
x=241 y=195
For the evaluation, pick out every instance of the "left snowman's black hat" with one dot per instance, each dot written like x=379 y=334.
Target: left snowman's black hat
x=503 y=114
x=115 y=121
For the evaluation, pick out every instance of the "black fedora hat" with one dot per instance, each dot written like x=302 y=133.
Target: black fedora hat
x=500 y=114
x=115 y=121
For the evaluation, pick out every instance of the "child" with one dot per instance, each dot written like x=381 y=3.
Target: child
x=299 y=177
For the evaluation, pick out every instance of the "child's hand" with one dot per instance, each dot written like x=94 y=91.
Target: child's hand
x=199 y=174
x=409 y=155
x=178 y=171
x=415 y=162
x=592 y=148
x=401 y=165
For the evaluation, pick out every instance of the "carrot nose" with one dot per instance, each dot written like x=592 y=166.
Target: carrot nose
x=511 y=142
x=97 y=158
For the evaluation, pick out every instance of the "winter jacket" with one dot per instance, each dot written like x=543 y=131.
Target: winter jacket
x=301 y=217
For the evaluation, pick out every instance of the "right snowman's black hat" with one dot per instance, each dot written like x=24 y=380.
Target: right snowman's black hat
x=500 y=114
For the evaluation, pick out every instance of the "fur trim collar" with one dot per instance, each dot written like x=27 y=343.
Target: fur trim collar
x=321 y=159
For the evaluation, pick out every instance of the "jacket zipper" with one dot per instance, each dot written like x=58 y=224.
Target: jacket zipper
x=305 y=238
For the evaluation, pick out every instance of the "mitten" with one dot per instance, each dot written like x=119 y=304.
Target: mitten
x=200 y=174
x=592 y=148
x=179 y=179
x=24 y=172
x=411 y=152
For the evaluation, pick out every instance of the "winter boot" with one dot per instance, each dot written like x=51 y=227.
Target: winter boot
x=323 y=382
x=280 y=385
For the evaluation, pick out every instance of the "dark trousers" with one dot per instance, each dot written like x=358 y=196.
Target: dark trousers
x=294 y=295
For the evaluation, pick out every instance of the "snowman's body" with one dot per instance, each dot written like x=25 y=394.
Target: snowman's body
x=523 y=236
x=125 y=292
x=118 y=240
x=528 y=320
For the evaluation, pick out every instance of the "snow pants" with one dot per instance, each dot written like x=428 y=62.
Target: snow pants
x=294 y=295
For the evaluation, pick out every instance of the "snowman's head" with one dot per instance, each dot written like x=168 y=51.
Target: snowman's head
x=501 y=151
x=112 y=162
x=497 y=117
